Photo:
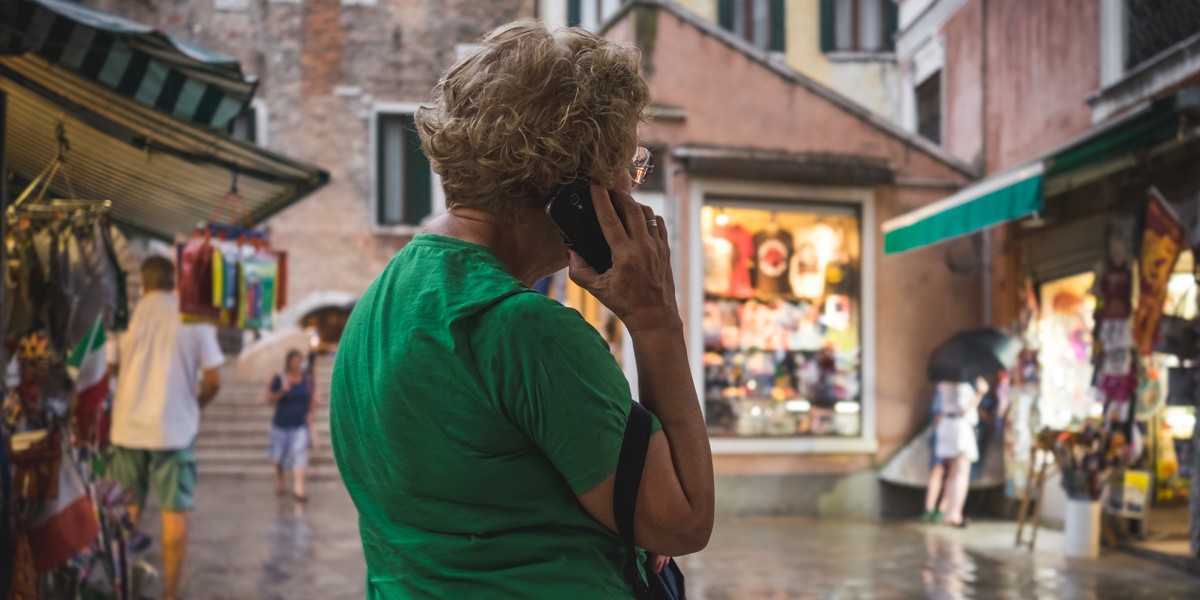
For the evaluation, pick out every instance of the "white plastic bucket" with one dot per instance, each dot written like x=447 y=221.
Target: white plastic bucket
x=1081 y=531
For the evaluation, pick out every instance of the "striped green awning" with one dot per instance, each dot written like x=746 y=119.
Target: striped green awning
x=997 y=200
x=135 y=60
x=162 y=174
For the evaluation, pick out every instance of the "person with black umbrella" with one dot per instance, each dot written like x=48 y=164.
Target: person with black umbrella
x=961 y=366
x=955 y=450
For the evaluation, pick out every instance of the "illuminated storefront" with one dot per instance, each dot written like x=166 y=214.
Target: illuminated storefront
x=782 y=319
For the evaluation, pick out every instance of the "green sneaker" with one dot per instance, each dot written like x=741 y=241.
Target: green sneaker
x=927 y=516
x=938 y=517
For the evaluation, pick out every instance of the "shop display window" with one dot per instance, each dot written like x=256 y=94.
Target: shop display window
x=1174 y=453
x=781 y=320
x=1173 y=421
x=1065 y=352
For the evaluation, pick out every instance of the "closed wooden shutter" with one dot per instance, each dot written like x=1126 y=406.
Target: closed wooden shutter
x=891 y=24
x=778 y=39
x=725 y=14
x=828 y=25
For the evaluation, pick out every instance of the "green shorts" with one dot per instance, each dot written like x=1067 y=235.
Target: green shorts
x=171 y=472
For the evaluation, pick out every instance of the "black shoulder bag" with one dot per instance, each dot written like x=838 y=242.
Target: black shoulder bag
x=667 y=585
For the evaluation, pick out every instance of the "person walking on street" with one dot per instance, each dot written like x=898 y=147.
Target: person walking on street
x=294 y=397
x=166 y=373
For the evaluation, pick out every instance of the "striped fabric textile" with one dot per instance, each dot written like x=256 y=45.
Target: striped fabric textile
x=135 y=60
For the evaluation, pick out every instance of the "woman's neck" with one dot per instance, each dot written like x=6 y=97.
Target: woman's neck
x=526 y=244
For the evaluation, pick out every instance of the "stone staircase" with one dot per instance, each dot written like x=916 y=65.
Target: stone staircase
x=234 y=428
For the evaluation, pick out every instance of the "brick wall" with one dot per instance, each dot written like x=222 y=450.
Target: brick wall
x=322 y=65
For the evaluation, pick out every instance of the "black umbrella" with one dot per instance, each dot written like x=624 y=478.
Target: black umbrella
x=975 y=353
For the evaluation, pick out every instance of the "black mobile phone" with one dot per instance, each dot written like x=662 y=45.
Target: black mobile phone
x=574 y=214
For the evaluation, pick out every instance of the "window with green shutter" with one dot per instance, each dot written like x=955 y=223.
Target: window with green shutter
x=929 y=108
x=761 y=22
x=778 y=38
x=858 y=25
x=828 y=25
x=574 y=13
x=404 y=180
x=725 y=14
x=891 y=24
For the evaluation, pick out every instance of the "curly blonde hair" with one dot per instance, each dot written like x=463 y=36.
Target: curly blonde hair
x=528 y=110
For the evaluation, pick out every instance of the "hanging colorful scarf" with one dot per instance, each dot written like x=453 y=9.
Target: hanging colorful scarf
x=1162 y=242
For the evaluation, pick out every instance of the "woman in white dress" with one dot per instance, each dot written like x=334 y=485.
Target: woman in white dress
x=955 y=449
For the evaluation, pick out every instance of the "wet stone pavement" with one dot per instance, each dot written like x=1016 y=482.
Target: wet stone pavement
x=246 y=543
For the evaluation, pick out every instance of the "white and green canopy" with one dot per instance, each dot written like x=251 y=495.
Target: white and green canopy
x=990 y=202
x=132 y=59
x=1022 y=191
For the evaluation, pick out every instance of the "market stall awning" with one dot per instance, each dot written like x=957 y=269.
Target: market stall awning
x=993 y=201
x=1021 y=192
x=162 y=174
x=129 y=58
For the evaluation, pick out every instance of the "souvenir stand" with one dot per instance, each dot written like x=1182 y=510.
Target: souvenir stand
x=63 y=288
x=1108 y=346
x=86 y=154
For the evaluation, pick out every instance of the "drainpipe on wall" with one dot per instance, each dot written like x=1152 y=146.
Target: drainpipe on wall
x=986 y=250
x=986 y=246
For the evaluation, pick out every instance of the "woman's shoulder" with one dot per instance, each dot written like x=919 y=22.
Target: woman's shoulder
x=530 y=314
x=530 y=305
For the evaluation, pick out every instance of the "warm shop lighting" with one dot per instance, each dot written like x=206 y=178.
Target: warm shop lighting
x=798 y=405
x=847 y=408
x=1181 y=423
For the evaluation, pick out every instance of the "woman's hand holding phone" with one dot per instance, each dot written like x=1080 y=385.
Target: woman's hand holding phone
x=640 y=287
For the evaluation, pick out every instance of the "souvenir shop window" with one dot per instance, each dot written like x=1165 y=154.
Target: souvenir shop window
x=1177 y=362
x=403 y=177
x=1065 y=353
x=782 y=322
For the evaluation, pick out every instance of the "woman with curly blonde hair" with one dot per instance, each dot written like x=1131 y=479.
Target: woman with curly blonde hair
x=477 y=424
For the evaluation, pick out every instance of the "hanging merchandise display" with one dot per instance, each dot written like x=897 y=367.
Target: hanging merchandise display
x=229 y=276
x=63 y=288
x=1116 y=354
x=781 y=321
x=1162 y=241
x=257 y=300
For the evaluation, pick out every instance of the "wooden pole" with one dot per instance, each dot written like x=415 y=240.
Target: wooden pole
x=1027 y=496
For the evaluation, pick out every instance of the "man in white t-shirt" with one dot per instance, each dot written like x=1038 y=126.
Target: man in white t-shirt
x=166 y=372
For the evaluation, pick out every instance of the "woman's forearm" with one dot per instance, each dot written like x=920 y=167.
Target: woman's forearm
x=666 y=387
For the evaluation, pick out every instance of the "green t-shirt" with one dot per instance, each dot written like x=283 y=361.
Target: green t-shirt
x=467 y=412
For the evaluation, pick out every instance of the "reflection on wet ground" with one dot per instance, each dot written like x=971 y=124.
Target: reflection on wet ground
x=246 y=543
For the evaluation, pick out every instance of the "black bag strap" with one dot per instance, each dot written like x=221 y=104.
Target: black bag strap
x=625 y=490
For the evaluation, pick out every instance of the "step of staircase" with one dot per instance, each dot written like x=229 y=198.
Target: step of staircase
x=251 y=456
x=262 y=471
x=256 y=412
